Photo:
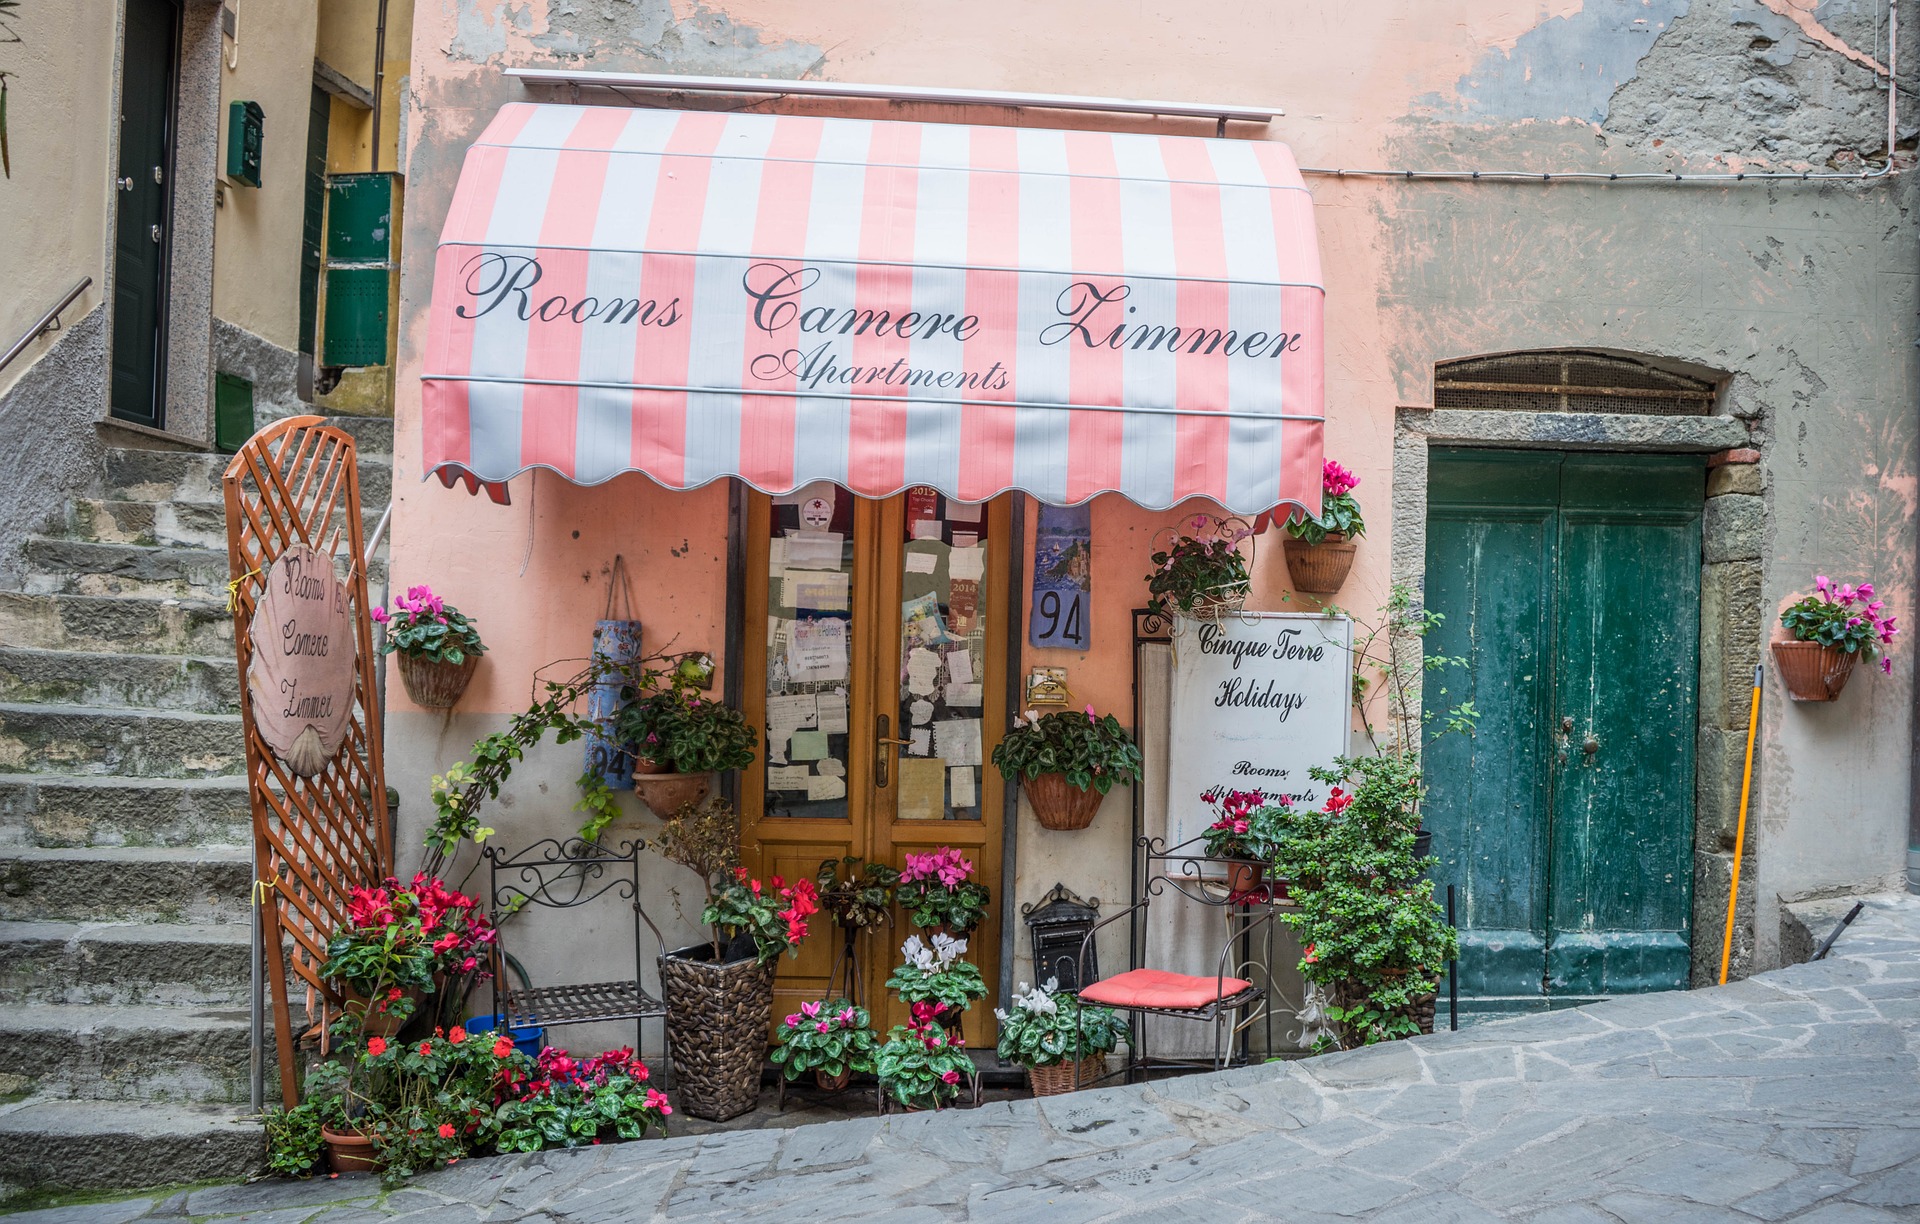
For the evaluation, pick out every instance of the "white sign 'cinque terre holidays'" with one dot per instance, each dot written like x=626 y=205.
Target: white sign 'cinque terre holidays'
x=301 y=679
x=1258 y=699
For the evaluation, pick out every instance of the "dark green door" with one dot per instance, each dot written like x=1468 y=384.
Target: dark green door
x=1571 y=585
x=313 y=216
x=144 y=191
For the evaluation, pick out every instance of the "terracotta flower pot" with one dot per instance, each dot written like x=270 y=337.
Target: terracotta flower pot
x=647 y=765
x=436 y=686
x=1059 y=804
x=349 y=1151
x=1243 y=875
x=1813 y=672
x=831 y=1083
x=667 y=793
x=1319 y=569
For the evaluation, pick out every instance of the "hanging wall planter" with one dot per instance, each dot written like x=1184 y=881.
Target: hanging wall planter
x=436 y=686
x=717 y=1018
x=1060 y=805
x=438 y=647
x=666 y=793
x=1320 y=569
x=1813 y=672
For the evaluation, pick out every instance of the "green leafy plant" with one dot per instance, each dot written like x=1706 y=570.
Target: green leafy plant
x=830 y=1036
x=597 y=801
x=1201 y=568
x=399 y=937
x=1046 y=1028
x=937 y=889
x=861 y=899
x=1250 y=825
x=293 y=1139
x=1390 y=655
x=923 y=1064
x=1843 y=617
x=425 y=626
x=569 y=1104
x=678 y=727
x=937 y=975
x=1339 y=512
x=773 y=915
x=1093 y=752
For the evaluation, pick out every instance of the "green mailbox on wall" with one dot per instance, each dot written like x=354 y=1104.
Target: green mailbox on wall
x=359 y=269
x=246 y=133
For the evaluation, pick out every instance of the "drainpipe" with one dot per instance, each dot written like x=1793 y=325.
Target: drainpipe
x=380 y=79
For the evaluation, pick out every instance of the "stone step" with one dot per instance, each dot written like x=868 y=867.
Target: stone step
x=107 y=883
x=127 y=1052
x=372 y=435
x=109 y=964
x=190 y=476
x=100 y=1145
x=48 y=810
x=193 y=524
x=116 y=624
x=95 y=678
x=83 y=567
x=98 y=740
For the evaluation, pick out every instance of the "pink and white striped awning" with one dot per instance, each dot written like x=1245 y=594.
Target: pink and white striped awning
x=785 y=299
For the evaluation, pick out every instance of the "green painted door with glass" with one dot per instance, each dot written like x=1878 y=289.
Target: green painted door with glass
x=1570 y=585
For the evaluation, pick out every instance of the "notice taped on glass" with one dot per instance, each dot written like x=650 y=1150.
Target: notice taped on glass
x=1258 y=699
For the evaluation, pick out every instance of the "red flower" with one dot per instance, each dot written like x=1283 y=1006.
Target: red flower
x=426 y=1048
x=446 y=1130
x=393 y=994
x=376 y=1046
x=502 y=1047
x=949 y=1077
x=458 y=1035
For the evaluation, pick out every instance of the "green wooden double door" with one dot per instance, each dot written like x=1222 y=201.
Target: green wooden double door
x=1570 y=584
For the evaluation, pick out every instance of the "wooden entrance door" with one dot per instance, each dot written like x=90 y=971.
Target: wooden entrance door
x=880 y=693
x=1571 y=585
x=143 y=189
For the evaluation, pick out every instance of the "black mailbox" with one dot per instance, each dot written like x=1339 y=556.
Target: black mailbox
x=1060 y=924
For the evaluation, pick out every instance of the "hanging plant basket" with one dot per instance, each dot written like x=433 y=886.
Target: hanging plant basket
x=667 y=793
x=1320 y=569
x=1212 y=606
x=436 y=686
x=1059 y=1078
x=1059 y=804
x=1813 y=672
x=349 y=1151
x=717 y=1021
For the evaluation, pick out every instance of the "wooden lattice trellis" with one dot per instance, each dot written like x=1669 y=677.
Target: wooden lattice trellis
x=314 y=839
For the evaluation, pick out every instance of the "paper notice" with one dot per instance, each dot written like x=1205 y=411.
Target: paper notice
x=921 y=712
x=927 y=529
x=786 y=713
x=806 y=493
x=922 y=742
x=958 y=740
x=962 y=512
x=923 y=790
x=814 y=550
x=963 y=694
x=920 y=621
x=776 y=555
x=807 y=745
x=833 y=712
x=820 y=787
x=921 y=562
x=831 y=768
x=816 y=651
x=787 y=778
x=960 y=666
x=968 y=563
x=817 y=591
x=960 y=785
x=922 y=667
x=965 y=539
x=963 y=603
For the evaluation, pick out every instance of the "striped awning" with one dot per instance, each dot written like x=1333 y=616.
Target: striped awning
x=785 y=299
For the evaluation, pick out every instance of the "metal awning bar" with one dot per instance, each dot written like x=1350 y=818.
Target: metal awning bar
x=668 y=83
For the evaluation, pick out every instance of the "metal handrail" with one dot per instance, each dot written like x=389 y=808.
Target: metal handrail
x=49 y=321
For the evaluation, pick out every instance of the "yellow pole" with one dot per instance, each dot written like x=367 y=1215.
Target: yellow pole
x=1740 y=833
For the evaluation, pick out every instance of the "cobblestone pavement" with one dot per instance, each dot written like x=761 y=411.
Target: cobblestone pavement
x=1792 y=1096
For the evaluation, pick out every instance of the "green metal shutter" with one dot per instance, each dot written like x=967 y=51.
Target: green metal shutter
x=359 y=269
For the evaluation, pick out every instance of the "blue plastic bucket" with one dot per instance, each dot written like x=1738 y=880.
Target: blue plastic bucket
x=526 y=1040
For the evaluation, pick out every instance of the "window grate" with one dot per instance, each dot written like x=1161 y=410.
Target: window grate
x=1569 y=381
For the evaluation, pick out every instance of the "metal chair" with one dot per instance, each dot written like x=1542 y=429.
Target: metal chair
x=558 y=874
x=1228 y=998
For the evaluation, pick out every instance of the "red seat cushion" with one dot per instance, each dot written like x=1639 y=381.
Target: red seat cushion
x=1158 y=988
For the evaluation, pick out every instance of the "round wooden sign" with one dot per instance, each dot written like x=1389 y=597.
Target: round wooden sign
x=301 y=678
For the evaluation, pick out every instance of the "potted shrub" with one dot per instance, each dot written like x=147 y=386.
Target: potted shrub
x=1372 y=932
x=1245 y=835
x=1067 y=763
x=923 y=1064
x=719 y=994
x=936 y=975
x=1201 y=575
x=831 y=1039
x=862 y=898
x=398 y=944
x=938 y=892
x=438 y=647
x=679 y=739
x=569 y=1103
x=1320 y=551
x=1832 y=629
x=1061 y=1041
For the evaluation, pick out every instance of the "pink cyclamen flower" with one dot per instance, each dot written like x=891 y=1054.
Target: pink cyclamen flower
x=809 y=1010
x=379 y=615
x=822 y=1027
x=1090 y=714
x=1886 y=665
x=949 y=1077
x=793 y=1019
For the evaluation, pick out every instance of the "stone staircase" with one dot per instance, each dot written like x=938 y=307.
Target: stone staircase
x=125 y=837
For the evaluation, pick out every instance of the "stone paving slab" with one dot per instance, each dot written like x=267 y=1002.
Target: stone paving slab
x=1792 y=1096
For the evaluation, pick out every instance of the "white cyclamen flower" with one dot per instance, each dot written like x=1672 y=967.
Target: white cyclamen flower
x=917 y=953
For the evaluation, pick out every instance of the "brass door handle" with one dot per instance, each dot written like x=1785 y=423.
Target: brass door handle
x=883 y=740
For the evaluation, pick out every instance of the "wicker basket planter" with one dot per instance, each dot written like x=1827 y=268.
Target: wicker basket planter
x=1813 y=672
x=349 y=1151
x=1319 y=569
x=436 y=686
x=667 y=793
x=717 y=1020
x=1059 y=804
x=1059 y=1078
